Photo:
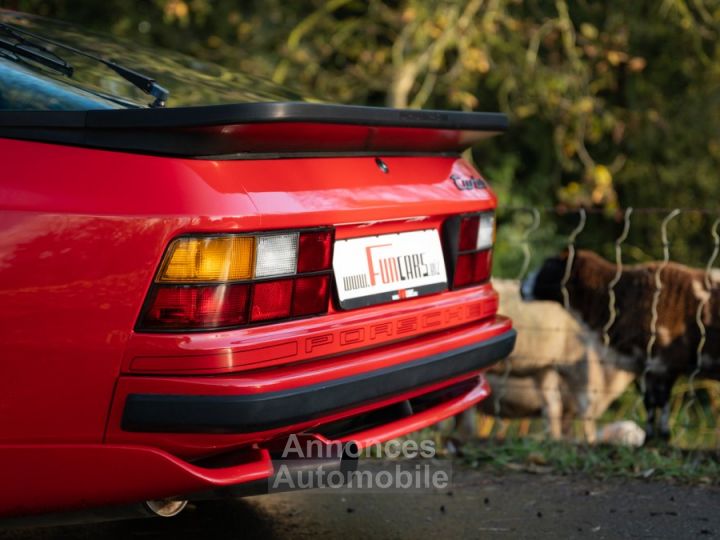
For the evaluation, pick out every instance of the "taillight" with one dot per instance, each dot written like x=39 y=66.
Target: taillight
x=470 y=239
x=232 y=280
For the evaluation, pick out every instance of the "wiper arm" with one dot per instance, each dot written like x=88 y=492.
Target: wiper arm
x=21 y=47
x=43 y=56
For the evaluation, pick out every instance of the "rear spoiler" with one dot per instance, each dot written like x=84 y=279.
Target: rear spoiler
x=257 y=129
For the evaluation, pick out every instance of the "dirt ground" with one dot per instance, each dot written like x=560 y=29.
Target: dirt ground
x=480 y=505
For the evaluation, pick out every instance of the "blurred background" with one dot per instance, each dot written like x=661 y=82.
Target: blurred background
x=612 y=105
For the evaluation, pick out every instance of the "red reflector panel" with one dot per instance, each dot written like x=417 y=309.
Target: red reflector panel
x=311 y=295
x=472 y=268
x=315 y=251
x=198 y=307
x=468 y=233
x=271 y=300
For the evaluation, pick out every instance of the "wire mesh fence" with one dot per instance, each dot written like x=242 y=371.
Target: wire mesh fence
x=568 y=379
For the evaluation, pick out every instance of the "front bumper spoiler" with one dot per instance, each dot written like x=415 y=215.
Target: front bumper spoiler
x=170 y=413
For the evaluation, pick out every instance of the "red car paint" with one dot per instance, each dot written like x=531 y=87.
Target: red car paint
x=83 y=233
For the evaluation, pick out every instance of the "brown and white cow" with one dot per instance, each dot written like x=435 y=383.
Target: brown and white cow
x=677 y=333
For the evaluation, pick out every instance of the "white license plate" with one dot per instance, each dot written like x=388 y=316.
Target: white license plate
x=377 y=269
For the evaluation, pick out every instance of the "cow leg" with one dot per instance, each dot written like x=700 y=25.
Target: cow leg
x=664 y=429
x=663 y=402
x=657 y=396
x=466 y=425
x=552 y=397
x=589 y=428
x=464 y=428
x=650 y=402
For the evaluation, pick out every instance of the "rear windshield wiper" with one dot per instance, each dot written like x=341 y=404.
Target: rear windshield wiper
x=21 y=46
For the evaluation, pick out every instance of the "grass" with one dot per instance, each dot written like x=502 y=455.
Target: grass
x=603 y=461
x=693 y=422
x=693 y=455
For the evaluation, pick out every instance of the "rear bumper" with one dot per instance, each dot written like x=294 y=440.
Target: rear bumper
x=195 y=416
x=233 y=417
x=259 y=412
x=79 y=477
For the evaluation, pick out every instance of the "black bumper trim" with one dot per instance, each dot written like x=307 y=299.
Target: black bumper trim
x=259 y=412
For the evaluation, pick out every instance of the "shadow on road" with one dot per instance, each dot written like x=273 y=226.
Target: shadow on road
x=212 y=520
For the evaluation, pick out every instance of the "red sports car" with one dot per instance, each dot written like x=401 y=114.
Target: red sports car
x=195 y=265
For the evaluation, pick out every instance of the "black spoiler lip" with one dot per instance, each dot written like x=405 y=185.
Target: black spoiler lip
x=251 y=113
x=179 y=131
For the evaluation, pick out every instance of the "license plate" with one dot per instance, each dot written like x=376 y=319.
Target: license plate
x=377 y=269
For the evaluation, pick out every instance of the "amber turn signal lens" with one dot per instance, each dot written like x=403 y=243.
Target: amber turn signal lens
x=215 y=258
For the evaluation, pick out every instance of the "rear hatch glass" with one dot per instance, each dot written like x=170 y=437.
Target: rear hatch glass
x=191 y=82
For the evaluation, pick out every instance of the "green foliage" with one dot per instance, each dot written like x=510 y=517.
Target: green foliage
x=613 y=104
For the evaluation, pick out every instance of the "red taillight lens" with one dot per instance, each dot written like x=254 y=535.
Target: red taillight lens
x=473 y=259
x=483 y=266
x=468 y=233
x=311 y=295
x=258 y=278
x=315 y=251
x=271 y=300
x=198 y=307
x=472 y=268
x=463 y=270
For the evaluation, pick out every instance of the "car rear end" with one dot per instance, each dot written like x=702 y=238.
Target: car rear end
x=183 y=289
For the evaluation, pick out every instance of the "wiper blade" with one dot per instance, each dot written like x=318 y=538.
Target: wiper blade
x=40 y=54
x=20 y=47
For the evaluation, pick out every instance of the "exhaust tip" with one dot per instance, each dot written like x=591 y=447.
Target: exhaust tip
x=166 y=507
